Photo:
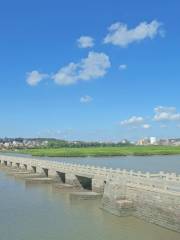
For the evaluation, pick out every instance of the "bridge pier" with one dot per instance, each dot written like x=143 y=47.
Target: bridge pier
x=3 y=163
x=10 y=164
x=61 y=177
x=151 y=202
x=71 y=179
x=54 y=174
x=18 y=165
x=22 y=167
x=37 y=169
x=98 y=184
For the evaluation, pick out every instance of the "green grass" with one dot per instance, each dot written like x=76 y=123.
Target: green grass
x=103 y=151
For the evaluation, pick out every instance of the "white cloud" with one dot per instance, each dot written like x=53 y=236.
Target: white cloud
x=85 y=42
x=120 y=35
x=146 y=126
x=133 y=121
x=86 y=99
x=122 y=67
x=66 y=75
x=92 y=67
x=34 y=77
x=166 y=114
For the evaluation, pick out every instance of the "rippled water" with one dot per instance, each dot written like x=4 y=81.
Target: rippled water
x=39 y=212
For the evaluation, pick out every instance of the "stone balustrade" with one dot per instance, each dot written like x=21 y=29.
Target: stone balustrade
x=155 y=180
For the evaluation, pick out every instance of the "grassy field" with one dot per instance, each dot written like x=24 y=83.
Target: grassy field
x=103 y=151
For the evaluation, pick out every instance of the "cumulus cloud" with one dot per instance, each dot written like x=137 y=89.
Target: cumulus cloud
x=34 y=77
x=133 y=121
x=120 y=35
x=85 y=42
x=86 y=99
x=92 y=67
x=166 y=114
x=122 y=67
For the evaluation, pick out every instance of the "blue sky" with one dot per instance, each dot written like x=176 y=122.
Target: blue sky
x=90 y=70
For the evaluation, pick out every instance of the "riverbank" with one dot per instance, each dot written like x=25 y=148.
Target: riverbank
x=103 y=151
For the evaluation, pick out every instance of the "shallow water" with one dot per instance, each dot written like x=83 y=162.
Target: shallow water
x=39 y=212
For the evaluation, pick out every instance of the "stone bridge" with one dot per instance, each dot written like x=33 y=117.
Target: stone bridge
x=149 y=196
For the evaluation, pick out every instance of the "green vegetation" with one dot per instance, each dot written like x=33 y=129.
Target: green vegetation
x=56 y=143
x=103 y=151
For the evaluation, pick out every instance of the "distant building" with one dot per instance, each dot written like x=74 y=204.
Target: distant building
x=144 y=141
x=163 y=142
x=153 y=140
x=7 y=144
x=148 y=141
x=174 y=141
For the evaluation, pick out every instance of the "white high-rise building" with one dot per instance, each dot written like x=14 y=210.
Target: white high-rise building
x=153 y=140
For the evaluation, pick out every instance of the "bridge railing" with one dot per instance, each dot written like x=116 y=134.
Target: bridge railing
x=93 y=170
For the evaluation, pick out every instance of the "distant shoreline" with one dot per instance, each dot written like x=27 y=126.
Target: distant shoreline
x=102 y=151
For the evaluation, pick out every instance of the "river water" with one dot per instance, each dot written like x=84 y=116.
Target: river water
x=40 y=212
